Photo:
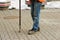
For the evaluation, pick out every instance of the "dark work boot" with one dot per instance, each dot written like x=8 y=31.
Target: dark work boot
x=30 y=32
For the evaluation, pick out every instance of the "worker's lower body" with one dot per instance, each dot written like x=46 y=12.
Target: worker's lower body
x=35 y=13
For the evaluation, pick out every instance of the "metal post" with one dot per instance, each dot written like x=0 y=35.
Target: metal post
x=19 y=20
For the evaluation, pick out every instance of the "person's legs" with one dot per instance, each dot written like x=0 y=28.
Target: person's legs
x=36 y=16
x=35 y=12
